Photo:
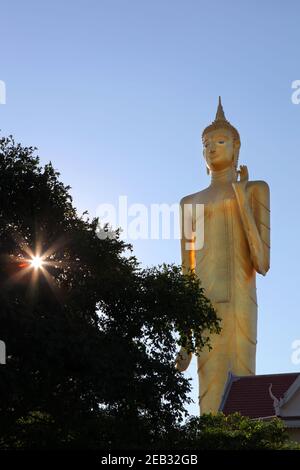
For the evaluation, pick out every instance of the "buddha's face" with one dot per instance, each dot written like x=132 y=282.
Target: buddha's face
x=220 y=149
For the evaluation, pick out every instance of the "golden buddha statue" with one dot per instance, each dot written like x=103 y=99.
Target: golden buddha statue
x=236 y=246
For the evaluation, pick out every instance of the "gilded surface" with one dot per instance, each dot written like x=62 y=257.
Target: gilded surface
x=236 y=246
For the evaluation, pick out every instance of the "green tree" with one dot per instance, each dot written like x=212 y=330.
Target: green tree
x=233 y=432
x=91 y=336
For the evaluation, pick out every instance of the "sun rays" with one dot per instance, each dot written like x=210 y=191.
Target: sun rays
x=33 y=264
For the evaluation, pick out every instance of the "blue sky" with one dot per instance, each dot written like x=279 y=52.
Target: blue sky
x=116 y=94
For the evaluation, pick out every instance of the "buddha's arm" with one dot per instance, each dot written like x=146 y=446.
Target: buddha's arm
x=187 y=236
x=254 y=205
x=183 y=358
x=260 y=202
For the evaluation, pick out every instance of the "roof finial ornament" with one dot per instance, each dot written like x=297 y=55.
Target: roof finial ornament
x=276 y=402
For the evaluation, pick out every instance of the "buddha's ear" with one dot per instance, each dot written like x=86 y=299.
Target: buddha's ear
x=236 y=145
x=236 y=148
x=207 y=169
x=236 y=151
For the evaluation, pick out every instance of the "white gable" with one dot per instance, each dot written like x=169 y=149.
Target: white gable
x=289 y=405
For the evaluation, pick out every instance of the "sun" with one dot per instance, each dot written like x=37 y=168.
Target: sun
x=36 y=262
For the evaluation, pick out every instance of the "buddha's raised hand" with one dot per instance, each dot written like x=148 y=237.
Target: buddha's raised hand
x=183 y=360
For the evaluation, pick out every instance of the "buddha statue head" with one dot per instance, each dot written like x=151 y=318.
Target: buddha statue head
x=221 y=143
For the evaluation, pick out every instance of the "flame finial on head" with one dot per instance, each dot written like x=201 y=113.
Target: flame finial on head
x=221 y=122
x=220 y=116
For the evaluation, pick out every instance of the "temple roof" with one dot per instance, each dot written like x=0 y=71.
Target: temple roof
x=252 y=395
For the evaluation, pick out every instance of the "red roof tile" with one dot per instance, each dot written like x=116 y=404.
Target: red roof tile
x=250 y=394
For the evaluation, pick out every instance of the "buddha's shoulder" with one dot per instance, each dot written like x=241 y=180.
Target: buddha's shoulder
x=259 y=188
x=198 y=197
x=259 y=184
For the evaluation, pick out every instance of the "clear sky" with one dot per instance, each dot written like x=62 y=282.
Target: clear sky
x=116 y=94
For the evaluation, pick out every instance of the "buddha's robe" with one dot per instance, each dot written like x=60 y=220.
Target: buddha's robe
x=227 y=272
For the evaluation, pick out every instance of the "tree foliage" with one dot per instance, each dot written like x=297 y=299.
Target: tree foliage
x=91 y=338
x=233 y=432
